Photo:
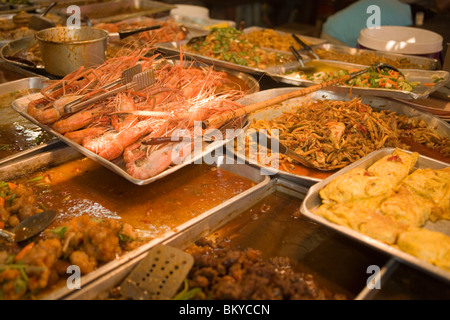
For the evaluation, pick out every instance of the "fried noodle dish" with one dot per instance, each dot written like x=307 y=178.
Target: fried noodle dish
x=332 y=134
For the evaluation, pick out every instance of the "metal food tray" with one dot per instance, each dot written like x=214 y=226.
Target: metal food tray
x=248 y=79
x=311 y=41
x=428 y=63
x=210 y=225
x=117 y=165
x=411 y=75
x=113 y=11
x=313 y=201
x=377 y=103
x=64 y=154
x=172 y=49
x=13 y=47
x=21 y=84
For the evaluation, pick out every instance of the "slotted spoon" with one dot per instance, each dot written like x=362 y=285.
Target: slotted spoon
x=159 y=275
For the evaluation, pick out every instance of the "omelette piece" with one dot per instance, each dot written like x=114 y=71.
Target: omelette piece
x=395 y=167
x=430 y=246
x=356 y=184
x=407 y=207
x=363 y=216
x=434 y=186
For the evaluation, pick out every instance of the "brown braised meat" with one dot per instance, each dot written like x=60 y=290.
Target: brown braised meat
x=230 y=274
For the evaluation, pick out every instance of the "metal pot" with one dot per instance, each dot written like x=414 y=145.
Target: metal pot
x=64 y=49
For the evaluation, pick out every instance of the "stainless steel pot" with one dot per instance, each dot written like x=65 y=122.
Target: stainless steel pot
x=64 y=49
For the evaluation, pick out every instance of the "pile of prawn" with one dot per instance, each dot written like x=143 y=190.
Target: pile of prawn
x=119 y=125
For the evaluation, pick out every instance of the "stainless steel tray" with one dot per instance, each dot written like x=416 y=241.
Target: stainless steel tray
x=427 y=63
x=316 y=237
x=411 y=75
x=112 y=11
x=246 y=78
x=313 y=201
x=117 y=165
x=378 y=103
x=172 y=50
x=311 y=41
x=22 y=84
x=64 y=154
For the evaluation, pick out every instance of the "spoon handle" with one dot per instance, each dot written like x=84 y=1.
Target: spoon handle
x=7 y=235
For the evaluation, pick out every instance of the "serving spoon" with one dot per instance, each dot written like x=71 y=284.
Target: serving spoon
x=30 y=226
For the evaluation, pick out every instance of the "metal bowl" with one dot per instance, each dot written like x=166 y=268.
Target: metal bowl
x=65 y=49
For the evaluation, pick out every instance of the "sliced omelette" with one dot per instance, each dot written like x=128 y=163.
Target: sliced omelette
x=407 y=207
x=356 y=184
x=430 y=246
x=433 y=186
x=391 y=202
x=395 y=167
x=363 y=216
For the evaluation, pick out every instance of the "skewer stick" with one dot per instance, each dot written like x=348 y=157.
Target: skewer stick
x=216 y=121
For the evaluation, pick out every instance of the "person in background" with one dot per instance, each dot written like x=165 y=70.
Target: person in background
x=344 y=26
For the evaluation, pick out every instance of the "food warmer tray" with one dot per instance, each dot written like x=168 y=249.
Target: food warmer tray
x=428 y=63
x=278 y=73
x=112 y=11
x=63 y=154
x=247 y=79
x=378 y=103
x=13 y=47
x=118 y=165
x=316 y=238
x=172 y=50
x=311 y=41
x=22 y=84
x=313 y=201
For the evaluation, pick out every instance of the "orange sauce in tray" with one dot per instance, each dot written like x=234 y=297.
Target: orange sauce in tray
x=84 y=186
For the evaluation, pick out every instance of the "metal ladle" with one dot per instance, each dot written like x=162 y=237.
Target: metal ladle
x=30 y=226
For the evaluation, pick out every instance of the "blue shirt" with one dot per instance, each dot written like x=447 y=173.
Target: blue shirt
x=346 y=24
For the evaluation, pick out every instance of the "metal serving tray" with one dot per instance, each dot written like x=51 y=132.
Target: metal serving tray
x=172 y=50
x=428 y=63
x=63 y=154
x=378 y=103
x=13 y=47
x=305 y=247
x=246 y=78
x=313 y=201
x=311 y=41
x=412 y=75
x=117 y=165
x=113 y=11
x=22 y=84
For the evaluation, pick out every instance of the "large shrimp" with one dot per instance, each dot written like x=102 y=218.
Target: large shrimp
x=143 y=162
x=79 y=120
x=125 y=104
x=112 y=144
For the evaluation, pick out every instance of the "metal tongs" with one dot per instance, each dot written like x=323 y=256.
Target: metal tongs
x=139 y=81
x=126 y=77
x=304 y=45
